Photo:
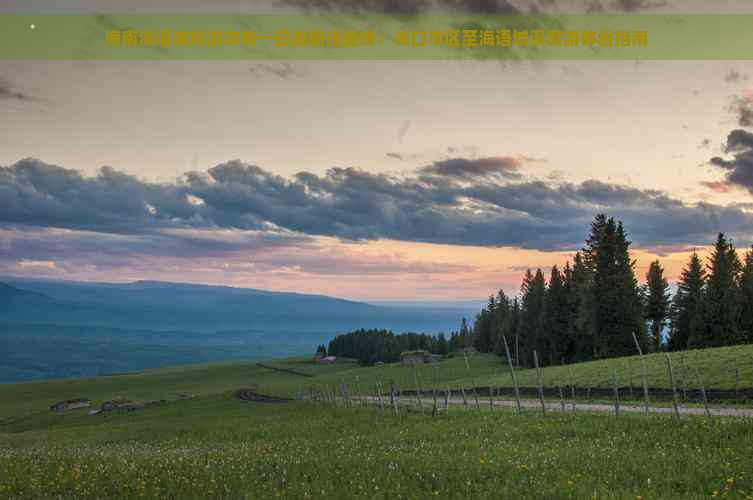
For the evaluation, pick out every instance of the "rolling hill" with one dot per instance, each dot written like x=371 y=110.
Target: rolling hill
x=54 y=329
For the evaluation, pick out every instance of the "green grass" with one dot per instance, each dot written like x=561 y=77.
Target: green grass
x=217 y=446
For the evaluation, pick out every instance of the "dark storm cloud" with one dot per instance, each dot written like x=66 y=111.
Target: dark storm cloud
x=352 y=204
x=738 y=169
x=463 y=168
x=36 y=193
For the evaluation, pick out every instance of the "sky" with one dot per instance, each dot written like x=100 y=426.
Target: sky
x=370 y=180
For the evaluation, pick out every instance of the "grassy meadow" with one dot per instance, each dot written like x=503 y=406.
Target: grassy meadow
x=217 y=446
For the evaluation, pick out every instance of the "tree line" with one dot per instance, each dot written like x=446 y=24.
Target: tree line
x=371 y=346
x=591 y=308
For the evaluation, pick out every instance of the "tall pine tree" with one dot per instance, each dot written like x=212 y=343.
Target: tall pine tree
x=746 y=298
x=556 y=319
x=687 y=305
x=531 y=332
x=657 y=302
x=618 y=303
x=722 y=300
x=582 y=321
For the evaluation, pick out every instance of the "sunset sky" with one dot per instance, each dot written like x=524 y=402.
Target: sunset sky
x=436 y=180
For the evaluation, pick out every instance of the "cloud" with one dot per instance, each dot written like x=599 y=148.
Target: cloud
x=479 y=6
x=9 y=92
x=717 y=186
x=636 y=5
x=362 y=6
x=58 y=252
x=283 y=70
x=462 y=168
x=739 y=169
x=400 y=156
x=742 y=106
x=457 y=203
x=733 y=76
x=521 y=269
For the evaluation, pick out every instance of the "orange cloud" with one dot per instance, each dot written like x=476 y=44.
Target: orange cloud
x=717 y=186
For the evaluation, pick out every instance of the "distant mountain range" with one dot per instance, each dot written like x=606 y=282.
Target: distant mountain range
x=157 y=305
x=52 y=329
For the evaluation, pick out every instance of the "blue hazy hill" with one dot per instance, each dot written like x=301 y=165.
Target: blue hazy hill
x=52 y=329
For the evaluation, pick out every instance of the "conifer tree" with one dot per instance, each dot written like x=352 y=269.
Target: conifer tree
x=556 y=318
x=657 y=302
x=509 y=327
x=687 y=305
x=617 y=297
x=746 y=297
x=442 y=345
x=531 y=331
x=722 y=299
x=582 y=321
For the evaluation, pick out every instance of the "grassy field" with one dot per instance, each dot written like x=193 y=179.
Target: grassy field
x=715 y=368
x=215 y=445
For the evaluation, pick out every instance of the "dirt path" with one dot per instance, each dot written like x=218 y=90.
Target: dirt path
x=587 y=407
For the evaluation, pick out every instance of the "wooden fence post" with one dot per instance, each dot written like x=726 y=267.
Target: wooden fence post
x=572 y=387
x=737 y=383
x=475 y=395
x=630 y=376
x=643 y=373
x=616 y=393
x=393 y=399
x=684 y=378
x=562 y=399
x=540 y=382
x=672 y=383
x=514 y=377
x=465 y=400
x=447 y=400
x=418 y=389
x=703 y=395
x=379 y=395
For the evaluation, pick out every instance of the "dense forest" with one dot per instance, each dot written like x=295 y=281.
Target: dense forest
x=591 y=308
x=370 y=346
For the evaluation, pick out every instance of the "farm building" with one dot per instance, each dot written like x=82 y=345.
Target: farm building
x=408 y=358
x=327 y=360
x=71 y=404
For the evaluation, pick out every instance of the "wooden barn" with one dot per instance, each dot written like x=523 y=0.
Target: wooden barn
x=409 y=358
